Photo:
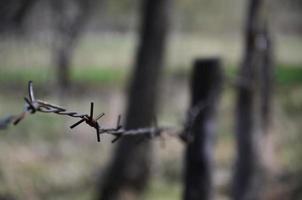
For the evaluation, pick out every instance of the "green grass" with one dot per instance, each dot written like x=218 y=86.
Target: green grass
x=41 y=157
x=99 y=75
x=107 y=76
x=22 y=75
x=284 y=75
x=289 y=75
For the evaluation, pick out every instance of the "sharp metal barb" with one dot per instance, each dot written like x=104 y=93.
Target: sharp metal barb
x=99 y=116
x=91 y=110
x=33 y=105
x=118 y=125
x=31 y=91
x=19 y=118
x=98 y=135
x=117 y=137
x=77 y=123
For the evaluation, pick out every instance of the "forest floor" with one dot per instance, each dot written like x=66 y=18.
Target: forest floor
x=42 y=158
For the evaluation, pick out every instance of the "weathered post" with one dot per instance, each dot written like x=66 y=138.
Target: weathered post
x=253 y=107
x=205 y=89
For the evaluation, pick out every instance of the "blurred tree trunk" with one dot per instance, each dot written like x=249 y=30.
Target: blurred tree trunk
x=23 y=11
x=129 y=171
x=267 y=78
x=13 y=13
x=253 y=104
x=70 y=18
x=206 y=89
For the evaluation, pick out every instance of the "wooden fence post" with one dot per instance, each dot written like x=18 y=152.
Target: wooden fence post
x=205 y=88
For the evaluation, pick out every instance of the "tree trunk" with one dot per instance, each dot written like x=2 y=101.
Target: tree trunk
x=23 y=11
x=206 y=89
x=63 y=62
x=253 y=105
x=267 y=78
x=129 y=170
x=13 y=14
x=68 y=30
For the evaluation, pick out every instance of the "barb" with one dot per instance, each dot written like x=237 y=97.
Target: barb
x=33 y=105
x=91 y=121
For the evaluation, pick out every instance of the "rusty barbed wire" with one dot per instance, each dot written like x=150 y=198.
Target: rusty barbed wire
x=33 y=105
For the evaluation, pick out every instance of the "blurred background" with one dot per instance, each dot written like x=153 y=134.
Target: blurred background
x=78 y=51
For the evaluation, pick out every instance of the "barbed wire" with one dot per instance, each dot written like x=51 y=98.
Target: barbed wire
x=33 y=105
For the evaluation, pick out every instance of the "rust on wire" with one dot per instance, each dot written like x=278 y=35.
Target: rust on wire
x=33 y=105
x=91 y=121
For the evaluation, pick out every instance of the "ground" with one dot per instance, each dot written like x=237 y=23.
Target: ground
x=42 y=158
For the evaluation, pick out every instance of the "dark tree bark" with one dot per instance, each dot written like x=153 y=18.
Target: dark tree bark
x=23 y=11
x=13 y=13
x=267 y=80
x=253 y=104
x=68 y=31
x=129 y=171
x=206 y=89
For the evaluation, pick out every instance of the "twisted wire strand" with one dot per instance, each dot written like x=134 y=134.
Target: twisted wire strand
x=33 y=105
x=153 y=131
